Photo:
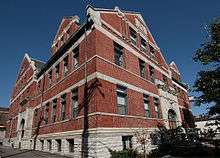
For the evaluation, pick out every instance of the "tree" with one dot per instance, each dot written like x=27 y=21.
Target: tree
x=208 y=81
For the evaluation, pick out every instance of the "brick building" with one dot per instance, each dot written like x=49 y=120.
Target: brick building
x=105 y=78
x=3 y=122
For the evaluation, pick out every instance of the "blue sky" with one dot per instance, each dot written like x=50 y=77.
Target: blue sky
x=30 y=26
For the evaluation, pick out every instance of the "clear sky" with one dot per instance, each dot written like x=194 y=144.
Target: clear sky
x=30 y=26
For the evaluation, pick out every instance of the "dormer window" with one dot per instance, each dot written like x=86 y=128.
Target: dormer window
x=133 y=36
x=143 y=45
x=152 y=50
x=76 y=58
x=65 y=66
x=57 y=68
x=50 y=78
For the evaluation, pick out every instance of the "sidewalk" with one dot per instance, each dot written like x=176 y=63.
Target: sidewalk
x=8 y=152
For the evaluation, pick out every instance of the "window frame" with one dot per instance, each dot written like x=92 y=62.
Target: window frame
x=118 y=55
x=142 y=67
x=146 y=99
x=75 y=97
x=122 y=92
x=63 y=106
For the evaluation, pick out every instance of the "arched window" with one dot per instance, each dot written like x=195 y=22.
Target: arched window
x=172 y=119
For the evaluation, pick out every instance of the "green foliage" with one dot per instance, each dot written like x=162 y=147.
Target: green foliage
x=208 y=81
x=125 y=154
x=182 y=142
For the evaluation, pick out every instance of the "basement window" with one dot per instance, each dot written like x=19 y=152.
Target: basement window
x=127 y=142
x=49 y=144
x=59 y=144
x=71 y=145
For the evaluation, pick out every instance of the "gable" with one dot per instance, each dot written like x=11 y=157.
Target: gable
x=62 y=26
x=26 y=63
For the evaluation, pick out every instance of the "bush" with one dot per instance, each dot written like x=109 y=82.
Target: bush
x=129 y=153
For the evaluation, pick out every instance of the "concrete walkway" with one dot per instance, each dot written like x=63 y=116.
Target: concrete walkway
x=8 y=152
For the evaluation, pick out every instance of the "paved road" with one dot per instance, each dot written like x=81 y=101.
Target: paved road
x=8 y=152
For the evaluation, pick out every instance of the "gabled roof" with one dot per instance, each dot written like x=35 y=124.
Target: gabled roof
x=174 y=67
x=64 y=23
x=38 y=64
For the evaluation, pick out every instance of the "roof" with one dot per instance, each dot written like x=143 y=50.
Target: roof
x=38 y=64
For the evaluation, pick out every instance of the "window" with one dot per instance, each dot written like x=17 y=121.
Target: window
x=157 y=108
x=59 y=144
x=42 y=144
x=152 y=50
x=122 y=100
x=71 y=145
x=76 y=58
x=127 y=142
x=54 y=112
x=57 y=71
x=65 y=66
x=165 y=80
x=46 y=113
x=39 y=86
x=133 y=36
x=147 y=106
x=74 y=102
x=142 y=68
x=63 y=110
x=118 y=55
x=49 y=145
x=151 y=69
x=143 y=45
x=50 y=78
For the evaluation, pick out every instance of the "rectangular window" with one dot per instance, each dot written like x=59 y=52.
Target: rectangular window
x=147 y=106
x=133 y=36
x=152 y=77
x=59 y=144
x=66 y=62
x=49 y=145
x=63 y=109
x=54 y=112
x=165 y=80
x=76 y=58
x=57 y=67
x=157 y=108
x=42 y=144
x=143 y=45
x=122 y=100
x=142 y=68
x=127 y=142
x=118 y=55
x=46 y=113
x=39 y=86
x=152 y=50
x=50 y=78
x=74 y=102
x=71 y=145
